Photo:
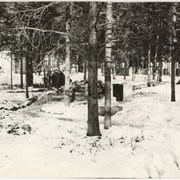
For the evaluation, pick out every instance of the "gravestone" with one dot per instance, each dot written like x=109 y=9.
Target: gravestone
x=118 y=91
x=58 y=79
x=122 y=91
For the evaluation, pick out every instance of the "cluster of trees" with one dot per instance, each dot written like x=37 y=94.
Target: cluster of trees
x=95 y=34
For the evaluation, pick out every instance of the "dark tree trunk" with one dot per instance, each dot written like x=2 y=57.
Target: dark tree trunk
x=125 y=66
x=93 y=119
x=21 y=55
x=173 y=62
x=85 y=70
x=30 y=71
x=160 y=47
x=45 y=78
x=173 y=98
x=27 y=76
x=155 y=59
x=160 y=69
x=11 y=70
x=149 y=65
x=49 y=72
x=77 y=60
x=21 y=71
x=133 y=70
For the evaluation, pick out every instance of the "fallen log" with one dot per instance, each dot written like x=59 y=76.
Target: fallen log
x=28 y=102
x=16 y=91
x=23 y=91
x=15 y=107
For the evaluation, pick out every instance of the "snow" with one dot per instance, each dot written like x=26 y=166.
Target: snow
x=142 y=142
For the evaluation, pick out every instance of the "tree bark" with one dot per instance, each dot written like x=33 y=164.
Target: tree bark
x=155 y=59
x=30 y=70
x=45 y=78
x=58 y=62
x=108 y=65
x=173 y=97
x=67 y=58
x=21 y=70
x=173 y=62
x=160 y=69
x=11 y=70
x=114 y=68
x=133 y=70
x=149 y=65
x=27 y=76
x=85 y=70
x=93 y=119
x=49 y=72
x=125 y=66
x=77 y=65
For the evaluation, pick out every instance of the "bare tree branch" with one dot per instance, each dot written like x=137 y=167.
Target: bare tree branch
x=45 y=30
x=37 y=9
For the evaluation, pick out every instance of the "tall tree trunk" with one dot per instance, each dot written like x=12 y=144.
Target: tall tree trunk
x=170 y=59
x=108 y=65
x=103 y=69
x=30 y=70
x=77 y=60
x=67 y=58
x=85 y=69
x=21 y=70
x=133 y=70
x=160 y=69
x=155 y=59
x=21 y=55
x=93 y=119
x=11 y=70
x=125 y=66
x=114 y=68
x=173 y=98
x=149 y=65
x=27 y=76
x=138 y=63
x=45 y=78
x=58 y=61
x=49 y=72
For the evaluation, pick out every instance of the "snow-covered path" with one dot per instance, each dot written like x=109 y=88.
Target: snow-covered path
x=143 y=141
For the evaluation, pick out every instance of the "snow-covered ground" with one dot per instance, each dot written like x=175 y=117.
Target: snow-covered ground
x=142 y=142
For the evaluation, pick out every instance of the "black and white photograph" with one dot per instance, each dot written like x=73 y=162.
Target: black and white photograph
x=89 y=89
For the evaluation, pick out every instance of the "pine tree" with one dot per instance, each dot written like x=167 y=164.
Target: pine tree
x=108 y=65
x=93 y=119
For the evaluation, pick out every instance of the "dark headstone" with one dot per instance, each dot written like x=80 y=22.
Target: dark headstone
x=58 y=79
x=177 y=72
x=118 y=91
